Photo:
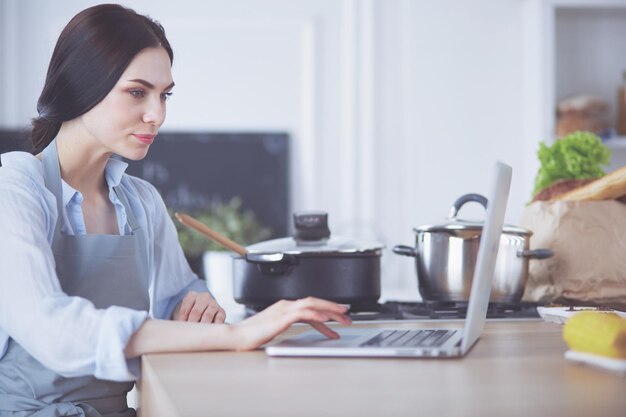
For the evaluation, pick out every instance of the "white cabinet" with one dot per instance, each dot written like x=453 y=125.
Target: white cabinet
x=576 y=47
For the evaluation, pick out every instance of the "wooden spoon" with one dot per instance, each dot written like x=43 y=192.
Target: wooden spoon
x=189 y=221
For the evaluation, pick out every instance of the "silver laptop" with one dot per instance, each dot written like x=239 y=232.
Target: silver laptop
x=435 y=342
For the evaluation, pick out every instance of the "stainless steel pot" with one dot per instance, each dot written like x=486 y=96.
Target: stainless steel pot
x=311 y=263
x=445 y=258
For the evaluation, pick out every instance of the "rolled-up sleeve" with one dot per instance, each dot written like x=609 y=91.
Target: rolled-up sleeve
x=118 y=325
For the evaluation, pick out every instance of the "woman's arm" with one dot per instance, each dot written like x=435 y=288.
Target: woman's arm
x=174 y=336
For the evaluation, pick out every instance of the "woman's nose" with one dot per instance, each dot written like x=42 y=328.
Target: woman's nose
x=154 y=112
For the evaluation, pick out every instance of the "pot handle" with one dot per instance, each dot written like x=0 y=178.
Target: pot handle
x=477 y=198
x=405 y=250
x=536 y=253
x=271 y=258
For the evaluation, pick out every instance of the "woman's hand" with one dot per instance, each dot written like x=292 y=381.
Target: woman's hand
x=264 y=326
x=199 y=307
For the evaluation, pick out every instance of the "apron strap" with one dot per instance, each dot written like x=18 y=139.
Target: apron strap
x=143 y=237
x=52 y=179
x=130 y=215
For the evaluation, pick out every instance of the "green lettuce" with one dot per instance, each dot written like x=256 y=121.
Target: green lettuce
x=574 y=156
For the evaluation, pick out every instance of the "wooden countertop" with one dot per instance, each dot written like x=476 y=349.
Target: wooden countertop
x=517 y=368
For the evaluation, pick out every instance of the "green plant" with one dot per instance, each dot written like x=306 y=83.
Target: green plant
x=574 y=156
x=228 y=219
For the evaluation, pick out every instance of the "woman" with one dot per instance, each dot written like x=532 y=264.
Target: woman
x=91 y=272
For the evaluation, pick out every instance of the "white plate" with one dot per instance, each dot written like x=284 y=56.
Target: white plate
x=562 y=314
x=616 y=365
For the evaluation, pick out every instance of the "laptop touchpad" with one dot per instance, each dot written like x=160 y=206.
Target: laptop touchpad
x=318 y=340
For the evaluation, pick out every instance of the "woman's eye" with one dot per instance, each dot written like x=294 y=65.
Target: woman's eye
x=166 y=96
x=137 y=93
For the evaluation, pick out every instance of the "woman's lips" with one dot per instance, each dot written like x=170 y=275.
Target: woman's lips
x=147 y=139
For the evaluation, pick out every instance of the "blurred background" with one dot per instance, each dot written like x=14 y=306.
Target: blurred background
x=379 y=112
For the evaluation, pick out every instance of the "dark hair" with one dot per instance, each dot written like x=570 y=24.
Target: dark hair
x=90 y=56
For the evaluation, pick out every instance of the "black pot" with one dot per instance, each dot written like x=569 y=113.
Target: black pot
x=311 y=263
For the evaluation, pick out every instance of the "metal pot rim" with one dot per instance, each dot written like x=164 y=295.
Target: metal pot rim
x=467 y=225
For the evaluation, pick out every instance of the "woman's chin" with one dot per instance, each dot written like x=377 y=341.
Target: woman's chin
x=136 y=154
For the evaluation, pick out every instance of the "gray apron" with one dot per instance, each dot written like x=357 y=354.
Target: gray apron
x=105 y=269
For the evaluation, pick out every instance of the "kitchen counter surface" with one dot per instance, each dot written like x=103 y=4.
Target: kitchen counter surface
x=516 y=369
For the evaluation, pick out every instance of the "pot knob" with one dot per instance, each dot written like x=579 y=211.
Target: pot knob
x=312 y=225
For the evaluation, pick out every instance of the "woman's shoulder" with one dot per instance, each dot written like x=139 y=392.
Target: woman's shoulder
x=21 y=167
x=23 y=189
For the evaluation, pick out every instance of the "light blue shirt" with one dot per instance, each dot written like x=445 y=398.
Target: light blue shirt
x=68 y=334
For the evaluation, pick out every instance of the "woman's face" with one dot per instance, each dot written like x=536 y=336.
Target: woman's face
x=127 y=120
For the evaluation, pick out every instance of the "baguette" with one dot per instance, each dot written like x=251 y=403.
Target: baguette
x=609 y=187
x=559 y=187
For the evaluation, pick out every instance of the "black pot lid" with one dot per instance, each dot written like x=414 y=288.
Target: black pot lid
x=334 y=245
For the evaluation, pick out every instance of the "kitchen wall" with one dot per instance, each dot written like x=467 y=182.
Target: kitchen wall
x=395 y=108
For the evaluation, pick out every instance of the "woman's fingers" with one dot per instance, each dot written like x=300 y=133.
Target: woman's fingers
x=323 y=329
x=311 y=316
x=264 y=326
x=220 y=317
x=318 y=303
x=199 y=307
x=209 y=314
x=340 y=318
x=316 y=313
x=213 y=314
x=186 y=305
x=321 y=310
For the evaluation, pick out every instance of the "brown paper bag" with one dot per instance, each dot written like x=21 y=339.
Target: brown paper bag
x=589 y=243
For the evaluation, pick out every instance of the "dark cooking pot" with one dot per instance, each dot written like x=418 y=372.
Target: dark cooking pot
x=311 y=263
x=445 y=258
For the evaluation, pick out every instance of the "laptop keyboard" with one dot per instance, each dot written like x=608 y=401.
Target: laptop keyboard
x=409 y=338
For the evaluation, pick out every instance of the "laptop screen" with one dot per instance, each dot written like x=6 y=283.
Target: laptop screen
x=487 y=253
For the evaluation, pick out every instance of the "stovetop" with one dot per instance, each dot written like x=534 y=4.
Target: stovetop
x=401 y=310
x=406 y=310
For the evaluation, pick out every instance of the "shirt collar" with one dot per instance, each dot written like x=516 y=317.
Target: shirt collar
x=113 y=173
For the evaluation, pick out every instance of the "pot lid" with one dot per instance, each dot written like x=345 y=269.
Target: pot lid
x=330 y=246
x=312 y=237
x=455 y=225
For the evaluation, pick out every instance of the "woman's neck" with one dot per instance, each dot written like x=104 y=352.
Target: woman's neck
x=82 y=160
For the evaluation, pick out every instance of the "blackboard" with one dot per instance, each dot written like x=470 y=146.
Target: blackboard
x=193 y=170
